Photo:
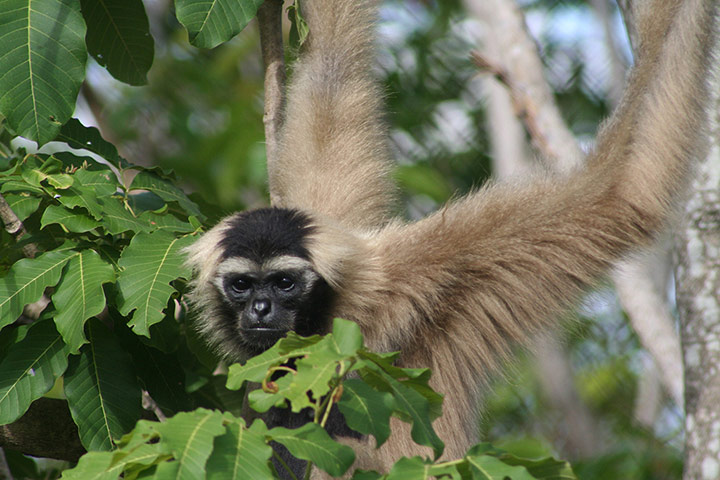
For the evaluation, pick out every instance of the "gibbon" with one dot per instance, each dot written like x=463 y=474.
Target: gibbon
x=457 y=290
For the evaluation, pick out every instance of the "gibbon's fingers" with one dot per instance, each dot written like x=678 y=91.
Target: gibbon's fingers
x=334 y=158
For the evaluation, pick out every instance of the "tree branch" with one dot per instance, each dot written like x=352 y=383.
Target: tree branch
x=15 y=227
x=271 y=43
x=46 y=430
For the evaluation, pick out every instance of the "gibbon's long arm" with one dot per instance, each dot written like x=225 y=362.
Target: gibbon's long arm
x=456 y=290
x=334 y=158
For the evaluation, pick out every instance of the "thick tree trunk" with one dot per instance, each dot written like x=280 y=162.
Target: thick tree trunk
x=698 y=299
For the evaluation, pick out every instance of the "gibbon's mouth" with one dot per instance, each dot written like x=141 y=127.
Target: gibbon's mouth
x=263 y=335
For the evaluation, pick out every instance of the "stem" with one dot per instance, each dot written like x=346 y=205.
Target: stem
x=284 y=465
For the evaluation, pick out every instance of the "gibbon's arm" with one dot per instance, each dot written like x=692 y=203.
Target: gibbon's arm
x=500 y=264
x=334 y=158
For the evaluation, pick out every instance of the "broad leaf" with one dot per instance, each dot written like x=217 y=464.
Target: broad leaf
x=311 y=442
x=102 y=390
x=165 y=190
x=26 y=282
x=71 y=220
x=150 y=263
x=412 y=405
x=29 y=370
x=210 y=23
x=80 y=295
x=241 y=453
x=189 y=436
x=366 y=410
x=23 y=205
x=118 y=219
x=77 y=135
x=42 y=64
x=118 y=37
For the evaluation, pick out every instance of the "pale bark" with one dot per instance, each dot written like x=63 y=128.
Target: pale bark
x=271 y=42
x=515 y=61
x=698 y=300
x=579 y=434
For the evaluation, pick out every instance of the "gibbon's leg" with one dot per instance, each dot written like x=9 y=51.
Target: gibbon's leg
x=333 y=157
x=456 y=290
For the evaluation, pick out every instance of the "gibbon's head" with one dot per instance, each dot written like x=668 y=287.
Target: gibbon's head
x=255 y=281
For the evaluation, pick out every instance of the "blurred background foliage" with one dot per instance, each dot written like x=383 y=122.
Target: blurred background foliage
x=201 y=116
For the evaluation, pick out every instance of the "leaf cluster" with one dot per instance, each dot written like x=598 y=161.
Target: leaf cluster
x=314 y=374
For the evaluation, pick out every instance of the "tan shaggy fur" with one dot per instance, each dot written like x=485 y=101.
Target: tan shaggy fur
x=458 y=289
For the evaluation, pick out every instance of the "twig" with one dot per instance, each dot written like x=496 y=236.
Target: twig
x=271 y=44
x=524 y=105
x=15 y=227
x=149 y=404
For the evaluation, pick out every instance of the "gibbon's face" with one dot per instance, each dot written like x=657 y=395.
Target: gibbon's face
x=265 y=281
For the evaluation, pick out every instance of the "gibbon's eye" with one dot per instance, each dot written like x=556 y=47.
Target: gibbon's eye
x=240 y=285
x=285 y=283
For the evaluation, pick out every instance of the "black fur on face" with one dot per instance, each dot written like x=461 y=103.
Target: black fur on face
x=267 y=232
x=265 y=284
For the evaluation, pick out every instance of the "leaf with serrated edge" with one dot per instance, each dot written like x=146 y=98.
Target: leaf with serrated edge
x=80 y=295
x=30 y=369
x=150 y=263
x=210 y=23
x=311 y=442
x=118 y=37
x=27 y=281
x=102 y=390
x=42 y=64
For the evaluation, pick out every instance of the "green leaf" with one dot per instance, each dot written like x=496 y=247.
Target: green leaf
x=210 y=23
x=410 y=403
x=311 y=442
x=189 y=435
x=486 y=467
x=366 y=410
x=118 y=37
x=93 y=466
x=71 y=220
x=102 y=390
x=29 y=370
x=241 y=453
x=416 y=468
x=165 y=190
x=255 y=369
x=42 y=65
x=84 y=197
x=150 y=263
x=27 y=281
x=103 y=182
x=23 y=205
x=77 y=135
x=117 y=219
x=162 y=376
x=80 y=295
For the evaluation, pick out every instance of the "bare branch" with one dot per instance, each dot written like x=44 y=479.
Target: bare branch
x=15 y=227
x=271 y=43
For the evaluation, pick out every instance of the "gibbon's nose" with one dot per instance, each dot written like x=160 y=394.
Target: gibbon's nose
x=261 y=307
